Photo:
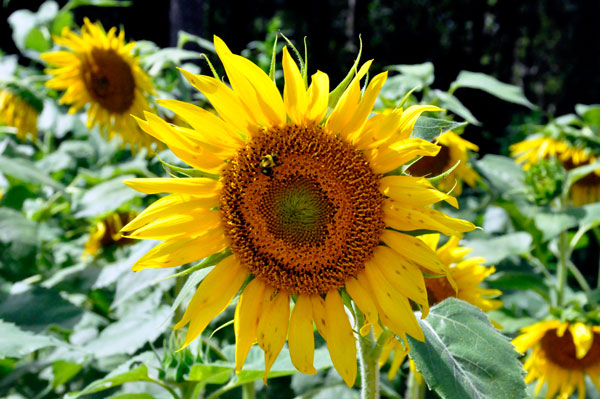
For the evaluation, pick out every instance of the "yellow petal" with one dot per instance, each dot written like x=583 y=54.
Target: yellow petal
x=246 y=318
x=410 y=116
x=319 y=314
x=212 y=297
x=393 y=307
x=414 y=249
x=414 y=191
x=178 y=251
x=365 y=106
x=191 y=224
x=294 y=92
x=407 y=218
x=253 y=85
x=301 y=340
x=225 y=102
x=364 y=302
x=583 y=337
x=273 y=326
x=200 y=186
x=392 y=156
x=171 y=205
x=341 y=343
x=318 y=97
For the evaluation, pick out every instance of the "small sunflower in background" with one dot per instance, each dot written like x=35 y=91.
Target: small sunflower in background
x=562 y=354
x=301 y=200
x=453 y=149
x=531 y=151
x=20 y=113
x=463 y=282
x=107 y=232
x=100 y=70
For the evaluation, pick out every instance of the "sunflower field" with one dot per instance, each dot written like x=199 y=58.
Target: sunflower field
x=223 y=217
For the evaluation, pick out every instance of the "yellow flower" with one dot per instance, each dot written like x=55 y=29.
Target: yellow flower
x=108 y=232
x=17 y=112
x=299 y=209
x=100 y=70
x=463 y=283
x=453 y=149
x=563 y=354
x=530 y=151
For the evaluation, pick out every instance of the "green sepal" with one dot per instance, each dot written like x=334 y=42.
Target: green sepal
x=442 y=176
x=176 y=171
x=298 y=56
x=210 y=261
x=335 y=95
x=273 y=60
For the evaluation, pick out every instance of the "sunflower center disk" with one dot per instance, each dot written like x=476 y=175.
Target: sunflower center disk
x=561 y=351
x=109 y=80
x=302 y=209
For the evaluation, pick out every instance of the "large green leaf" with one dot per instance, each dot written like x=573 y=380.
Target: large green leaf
x=24 y=170
x=114 y=379
x=464 y=357
x=491 y=85
x=105 y=197
x=15 y=342
x=503 y=173
x=451 y=103
x=430 y=128
x=496 y=249
x=552 y=223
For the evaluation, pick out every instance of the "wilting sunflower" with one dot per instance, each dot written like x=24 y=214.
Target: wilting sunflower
x=585 y=190
x=107 y=232
x=300 y=207
x=19 y=113
x=453 y=149
x=463 y=282
x=563 y=354
x=100 y=70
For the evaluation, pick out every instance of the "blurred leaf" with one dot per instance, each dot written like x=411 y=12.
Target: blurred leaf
x=463 y=356
x=503 y=173
x=578 y=173
x=491 y=85
x=589 y=113
x=209 y=374
x=96 y=3
x=63 y=372
x=39 y=308
x=18 y=343
x=495 y=249
x=430 y=128
x=451 y=103
x=132 y=396
x=15 y=227
x=156 y=61
x=552 y=223
x=423 y=73
x=36 y=40
x=24 y=170
x=63 y=19
x=105 y=197
x=113 y=379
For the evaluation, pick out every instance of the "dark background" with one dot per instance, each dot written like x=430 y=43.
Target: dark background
x=551 y=48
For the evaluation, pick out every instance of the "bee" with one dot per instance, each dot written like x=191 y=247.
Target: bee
x=268 y=162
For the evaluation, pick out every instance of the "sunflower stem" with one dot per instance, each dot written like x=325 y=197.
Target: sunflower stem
x=563 y=248
x=416 y=387
x=368 y=358
x=249 y=391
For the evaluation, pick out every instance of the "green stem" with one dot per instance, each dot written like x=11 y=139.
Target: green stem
x=369 y=352
x=416 y=388
x=563 y=250
x=165 y=386
x=188 y=390
x=596 y=231
x=249 y=391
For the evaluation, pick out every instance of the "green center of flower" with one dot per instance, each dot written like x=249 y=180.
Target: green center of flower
x=302 y=209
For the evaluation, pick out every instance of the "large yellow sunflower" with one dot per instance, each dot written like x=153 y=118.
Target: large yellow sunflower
x=463 y=282
x=100 y=70
x=17 y=112
x=453 y=149
x=303 y=205
x=563 y=354
x=107 y=232
x=530 y=151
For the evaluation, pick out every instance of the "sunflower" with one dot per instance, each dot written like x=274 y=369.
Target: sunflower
x=463 y=283
x=19 y=113
x=453 y=149
x=585 y=190
x=108 y=232
x=301 y=204
x=100 y=70
x=563 y=354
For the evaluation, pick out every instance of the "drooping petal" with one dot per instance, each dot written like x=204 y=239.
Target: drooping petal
x=273 y=325
x=414 y=249
x=247 y=313
x=301 y=340
x=319 y=314
x=364 y=302
x=407 y=218
x=414 y=191
x=388 y=158
x=341 y=343
x=583 y=337
x=212 y=297
x=294 y=92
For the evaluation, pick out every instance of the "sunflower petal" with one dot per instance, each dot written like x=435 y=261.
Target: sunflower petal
x=342 y=343
x=583 y=337
x=273 y=326
x=318 y=95
x=414 y=191
x=319 y=314
x=294 y=92
x=364 y=302
x=246 y=317
x=200 y=186
x=301 y=339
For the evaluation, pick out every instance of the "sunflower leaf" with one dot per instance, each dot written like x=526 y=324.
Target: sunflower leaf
x=579 y=173
x=463 y=356
x=429 y=128
x=491 y=85
x=17 y=343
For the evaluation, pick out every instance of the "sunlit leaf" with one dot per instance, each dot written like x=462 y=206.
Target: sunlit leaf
x=453 y=104
x=496 y=249
x=429 y=128
x=105 y=197
x=18 y=343
x=464 y=357
x=24 y=170
x=491 y=85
